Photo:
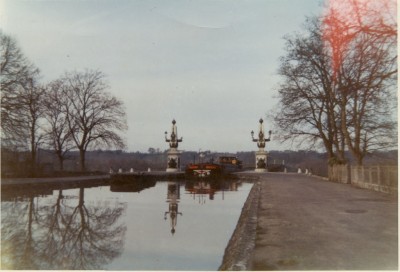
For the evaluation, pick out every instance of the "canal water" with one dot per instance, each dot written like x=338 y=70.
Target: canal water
x=138 y=226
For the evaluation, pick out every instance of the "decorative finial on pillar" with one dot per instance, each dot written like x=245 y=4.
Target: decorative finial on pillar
x=261 y=137
x=173 y=163
x=173 y=141
x=261 y=154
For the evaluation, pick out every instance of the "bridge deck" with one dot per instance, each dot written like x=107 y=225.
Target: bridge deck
x=307 y=223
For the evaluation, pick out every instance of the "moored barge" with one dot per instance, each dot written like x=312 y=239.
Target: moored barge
x=225 y=166
x=203 y=170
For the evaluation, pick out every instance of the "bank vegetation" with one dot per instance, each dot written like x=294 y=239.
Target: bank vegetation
x=75 y=111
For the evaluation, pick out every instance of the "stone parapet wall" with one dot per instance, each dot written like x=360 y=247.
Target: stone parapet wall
x=377 y=177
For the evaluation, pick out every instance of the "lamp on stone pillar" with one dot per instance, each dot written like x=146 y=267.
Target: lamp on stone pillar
x=261 y=154
x=173 y=161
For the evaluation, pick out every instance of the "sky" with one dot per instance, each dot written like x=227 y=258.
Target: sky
x=210 y=65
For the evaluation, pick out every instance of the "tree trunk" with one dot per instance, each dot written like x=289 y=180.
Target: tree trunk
x=33 y=157
x=359 y=159
x=60 y=161
x=82 y=160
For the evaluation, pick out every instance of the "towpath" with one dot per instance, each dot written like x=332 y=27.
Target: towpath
x=307 y=223
x=77 y=179
x=54 y=180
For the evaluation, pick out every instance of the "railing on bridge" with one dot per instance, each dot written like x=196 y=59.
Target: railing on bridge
x=377 y=177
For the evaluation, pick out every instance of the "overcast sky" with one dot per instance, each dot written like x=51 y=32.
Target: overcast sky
x=211 y=65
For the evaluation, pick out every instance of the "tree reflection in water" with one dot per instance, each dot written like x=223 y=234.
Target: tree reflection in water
x=66 y=228
x=17 y=247
x=64 y=235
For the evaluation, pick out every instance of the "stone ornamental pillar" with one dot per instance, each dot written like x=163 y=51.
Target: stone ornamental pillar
x=261 y=154
x=174 y=155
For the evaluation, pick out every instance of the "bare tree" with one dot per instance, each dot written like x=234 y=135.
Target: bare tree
x=59 y=134
x=93 y=115
x=368 y=87
x=32 y=115
x=377 y=18
x=21 y=101
x=16 y=74
x=338 y=85
x=307 y=108
x=361 y=39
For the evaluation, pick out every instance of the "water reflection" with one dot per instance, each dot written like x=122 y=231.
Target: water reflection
x=61 y=227
x=173 y=196
x=201 y=188
x=132 y=187
x=59 y=233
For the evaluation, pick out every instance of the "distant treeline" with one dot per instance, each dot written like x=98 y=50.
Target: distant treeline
x=15 y=164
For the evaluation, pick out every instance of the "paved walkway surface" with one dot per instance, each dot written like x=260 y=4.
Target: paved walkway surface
x=307 y=223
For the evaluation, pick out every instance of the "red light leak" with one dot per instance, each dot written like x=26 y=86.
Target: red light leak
x=344 y=19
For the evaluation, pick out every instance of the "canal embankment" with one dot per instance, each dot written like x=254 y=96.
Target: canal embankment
x=238 y=251
x=52 y=180
x=154 y=175
x=308 y=223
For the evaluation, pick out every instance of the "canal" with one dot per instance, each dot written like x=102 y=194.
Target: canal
x=163 y=225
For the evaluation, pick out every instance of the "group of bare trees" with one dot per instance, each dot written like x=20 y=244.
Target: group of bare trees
x=75 y=111
x=340 y=80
